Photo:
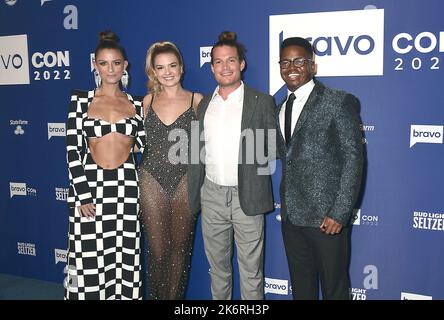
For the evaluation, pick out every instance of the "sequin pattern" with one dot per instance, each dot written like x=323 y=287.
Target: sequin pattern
x=165 y=211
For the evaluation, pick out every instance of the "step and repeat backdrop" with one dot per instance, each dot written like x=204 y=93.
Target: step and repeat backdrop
x=387 y=53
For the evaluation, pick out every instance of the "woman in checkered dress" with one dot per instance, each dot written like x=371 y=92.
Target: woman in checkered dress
x=104 y=232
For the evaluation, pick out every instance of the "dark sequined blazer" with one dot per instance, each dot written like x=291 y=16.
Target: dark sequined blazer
x=322 y=167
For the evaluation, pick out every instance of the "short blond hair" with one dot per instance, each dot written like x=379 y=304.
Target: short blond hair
x=155 y=49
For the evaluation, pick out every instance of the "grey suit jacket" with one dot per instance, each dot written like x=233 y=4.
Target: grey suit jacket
x=255 y=191
x=322 y=166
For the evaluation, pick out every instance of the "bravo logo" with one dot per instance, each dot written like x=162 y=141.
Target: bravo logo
x=205 y=55
x=276 y=286
x=340 y=50
x=56 y=130
x=20 y=189
x=414 y=296
x=60 y=255
x=14 y=67
x=17 y=189
x=425 y=134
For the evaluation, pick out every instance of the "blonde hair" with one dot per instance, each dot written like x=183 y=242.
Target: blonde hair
x=155 y=49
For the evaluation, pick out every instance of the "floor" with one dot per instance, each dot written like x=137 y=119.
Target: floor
x=19 y=288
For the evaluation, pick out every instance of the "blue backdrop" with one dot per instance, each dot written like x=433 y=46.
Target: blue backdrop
x=387 y=53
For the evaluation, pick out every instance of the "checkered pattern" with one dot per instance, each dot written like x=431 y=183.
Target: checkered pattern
x=104 y=252
x=79 y=192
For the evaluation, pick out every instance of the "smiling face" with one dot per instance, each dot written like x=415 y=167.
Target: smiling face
x=295 y=77
x=226 y=67
x=110 y=64
x=167 y=69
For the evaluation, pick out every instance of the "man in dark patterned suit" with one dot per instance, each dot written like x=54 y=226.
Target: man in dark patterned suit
x=322 y=159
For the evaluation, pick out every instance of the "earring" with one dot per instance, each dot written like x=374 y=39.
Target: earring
x=124 y=79
x=97 y=79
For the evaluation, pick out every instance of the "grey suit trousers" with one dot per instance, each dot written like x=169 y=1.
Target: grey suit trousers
x=222 y=217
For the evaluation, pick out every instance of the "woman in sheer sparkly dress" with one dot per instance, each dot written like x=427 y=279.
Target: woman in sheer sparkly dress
x=165 y=213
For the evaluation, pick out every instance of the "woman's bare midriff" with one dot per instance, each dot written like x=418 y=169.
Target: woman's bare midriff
x=111 y=150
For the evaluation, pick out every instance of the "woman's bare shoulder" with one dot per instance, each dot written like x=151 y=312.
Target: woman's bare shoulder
x=147 y=99
x=197 y=98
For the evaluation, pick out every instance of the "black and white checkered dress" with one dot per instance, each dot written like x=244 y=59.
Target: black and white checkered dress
x=103 y=252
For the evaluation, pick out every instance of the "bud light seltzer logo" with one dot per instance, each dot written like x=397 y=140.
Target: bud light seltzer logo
x=14 y=67
x=340 y=50
x=61 y=194
x=26 y=248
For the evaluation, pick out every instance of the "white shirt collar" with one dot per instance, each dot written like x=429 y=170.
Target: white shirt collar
x=236 y=94
x=304 y=91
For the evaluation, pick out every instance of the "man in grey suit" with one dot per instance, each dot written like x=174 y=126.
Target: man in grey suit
x=319 y=142
x=233 y=185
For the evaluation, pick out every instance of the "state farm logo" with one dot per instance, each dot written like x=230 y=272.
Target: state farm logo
x=340 y=50
x=365 y=129
x=14 y=67
x=18 y=126
x=425 y=134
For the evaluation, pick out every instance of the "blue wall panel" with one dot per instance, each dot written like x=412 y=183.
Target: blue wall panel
x=398 y=233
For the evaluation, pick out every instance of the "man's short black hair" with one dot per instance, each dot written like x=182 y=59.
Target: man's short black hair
x=298 y=41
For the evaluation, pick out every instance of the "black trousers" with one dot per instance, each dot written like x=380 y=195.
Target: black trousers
x=314 y=256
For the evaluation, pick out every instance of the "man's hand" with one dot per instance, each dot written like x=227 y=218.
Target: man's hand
x=330 y=226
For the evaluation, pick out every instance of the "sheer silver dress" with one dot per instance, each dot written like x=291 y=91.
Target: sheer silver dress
x=165 y=213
